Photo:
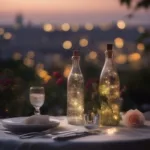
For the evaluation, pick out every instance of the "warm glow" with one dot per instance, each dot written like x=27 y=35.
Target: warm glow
x=83 y=42
x=2 y=31
x=7 y=35
x=47 y=78
x=65 y=27
x=75 y=28
x=140 y=47
x=134 y=57
x=111 y=131
x=121 y=24
x=121 y=59
x=92 y=55
x=141 y=29
x=31 y=54
x=67 y=71
x=47 y=27
x=29 y=62
x=119 y=42
x=89 y=26
x=17 y=56
x=42 y=73
x=67 y=44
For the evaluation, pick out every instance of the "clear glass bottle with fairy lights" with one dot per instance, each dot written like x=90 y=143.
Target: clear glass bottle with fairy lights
x=109 y=90
x=75 y=93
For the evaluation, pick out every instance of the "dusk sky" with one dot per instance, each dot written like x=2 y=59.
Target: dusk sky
x=72 y=11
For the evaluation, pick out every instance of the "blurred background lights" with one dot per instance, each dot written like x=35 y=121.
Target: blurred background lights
x=67 y=71
x=75 y=28
x=2 y=31
x=140 y=47
x=39 y=66
x=141 y=29
x=42 y=73
x=134 y=57
x=65 y=27
x=31 y=54
x=92 y=55
x=28 y=62
x=67 y=44
x=121 y=59
x=121 y=24
x=47 y=27
x=47 y=78
x=7 y=36
x=83 y=42
x=17 y=56
x=119 y=42
x=89 y=26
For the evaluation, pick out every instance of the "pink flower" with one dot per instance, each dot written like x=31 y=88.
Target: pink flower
x=60 y=81
x=133 y=118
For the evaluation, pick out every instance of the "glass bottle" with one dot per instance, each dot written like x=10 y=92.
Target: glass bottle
x=109 y=90
x=75 y=93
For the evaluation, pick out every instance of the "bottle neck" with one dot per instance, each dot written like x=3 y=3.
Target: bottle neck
x=76 y=64
x=109 y=58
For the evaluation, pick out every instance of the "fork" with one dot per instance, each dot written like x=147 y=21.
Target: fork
x=42 y=133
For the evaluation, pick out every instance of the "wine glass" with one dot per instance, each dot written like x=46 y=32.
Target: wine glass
x=37 y=97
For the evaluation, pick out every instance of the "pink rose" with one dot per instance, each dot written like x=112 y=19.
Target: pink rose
x=133 y=118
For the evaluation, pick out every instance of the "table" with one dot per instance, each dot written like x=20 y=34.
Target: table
x=123 y=139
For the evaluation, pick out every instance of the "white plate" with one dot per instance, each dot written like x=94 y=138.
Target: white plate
x=17 y=125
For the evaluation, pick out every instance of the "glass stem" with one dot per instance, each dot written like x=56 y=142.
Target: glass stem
x=37 y=111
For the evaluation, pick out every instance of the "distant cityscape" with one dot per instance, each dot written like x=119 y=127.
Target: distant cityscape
x=50 y=43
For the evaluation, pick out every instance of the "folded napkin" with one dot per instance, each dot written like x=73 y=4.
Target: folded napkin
x=37 y=119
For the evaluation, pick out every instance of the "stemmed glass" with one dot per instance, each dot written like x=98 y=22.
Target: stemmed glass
x=37 y=97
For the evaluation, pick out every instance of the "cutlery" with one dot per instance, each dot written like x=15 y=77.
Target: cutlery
x=46 y=132
x=75 y=135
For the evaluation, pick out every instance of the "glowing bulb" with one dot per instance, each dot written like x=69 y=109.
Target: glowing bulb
x=115 y=117
x=7 y=35
x=121 y=24
x=83 y=42
x=67 y=44
x=119 y=42
x=65 y=27
x=2 y=31
x=47 y=27
x=134 y=57
x=140 y=47
x=92 y=55
x=89 y=26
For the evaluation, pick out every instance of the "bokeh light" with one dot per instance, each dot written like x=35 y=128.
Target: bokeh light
x=83 y=42
x=119 y=42
x=67 y=44
x=16 y=56
x=28 y=62
x=141 y=29
x=42 y=73
x=121 y=24
x=121 y=59
x=47 y=78
x=75 y=28
x=92 y=55
x=47 y=27
x=65 y=27
x=89 y=26
x=2 y=31
x=140 y=47
x=67 y=71
x=31 y=54
x=7 y=36
x=134 y=57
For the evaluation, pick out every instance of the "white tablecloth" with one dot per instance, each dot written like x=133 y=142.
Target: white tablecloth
x=123 y=139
